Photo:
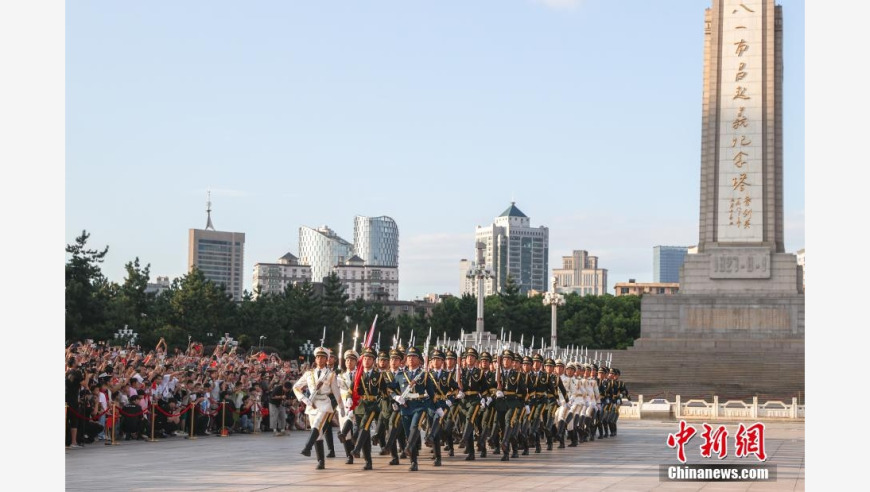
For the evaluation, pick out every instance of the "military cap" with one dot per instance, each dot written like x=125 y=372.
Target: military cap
x=602 y=369
x=507 y=353
x=471 y=351
x=321 y=351
x=527 y=360
x=537 y=358
x=485 y=356
x=350 y=354
x=549 y=362
x=560 y=362
x=413 y=351
x=395 y=353
x=437 y=354
x=517 y=357
x=570 y=365
x=383 y=355
x=617 y=372
x=594 y=367
x=369 y=352
x=451 y=354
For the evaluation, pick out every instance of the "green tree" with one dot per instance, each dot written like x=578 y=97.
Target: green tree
x=85 y=307
x=334 y=304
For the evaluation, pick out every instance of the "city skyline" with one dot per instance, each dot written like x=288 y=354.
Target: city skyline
x=386 y=116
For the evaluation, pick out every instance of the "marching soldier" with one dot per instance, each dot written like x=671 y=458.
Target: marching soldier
x=453 y=412
x=416 y=392
x=525 y=421
x=488 y=414
x=619 y=393
x=604 y=392
x=442 y=401
x=537 y=399
x=322 y=386
x=471 y=386
x=510 y=397
x=397 y=432
x=383 y=422
x=370 y=387
x=347 y=425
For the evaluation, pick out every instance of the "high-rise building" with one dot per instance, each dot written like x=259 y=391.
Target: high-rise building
x=322 y=249
x=218 y=255
x=513 y=247
x=273 y=278
x=580 y=274
x=667 y=261
x=376 y=240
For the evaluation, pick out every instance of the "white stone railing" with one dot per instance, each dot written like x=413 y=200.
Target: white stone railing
x=701 y=409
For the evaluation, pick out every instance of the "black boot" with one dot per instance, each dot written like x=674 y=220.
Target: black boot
x=606 y=427
x=413 y=459
x=504 y=455
x=348 y=451
x=437 y=448
x=537 y=443
x=318 y=448
x=573 y=436
x=330 y=444
x=613 y=429
x=367 y=453
x=514 y=446
x=469 y=448
x=311 y=439
x=394 y=452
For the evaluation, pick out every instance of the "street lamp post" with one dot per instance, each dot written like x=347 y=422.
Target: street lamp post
x=553 y=299
x=262 y=337
x=480 y=273
x=306 y=349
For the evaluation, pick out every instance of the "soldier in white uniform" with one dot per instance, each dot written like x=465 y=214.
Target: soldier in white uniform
x=324 y=395
x=346 y=425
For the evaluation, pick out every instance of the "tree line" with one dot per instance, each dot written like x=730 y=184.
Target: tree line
x=196 y=309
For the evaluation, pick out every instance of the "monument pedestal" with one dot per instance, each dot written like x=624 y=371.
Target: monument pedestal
x=731 y=332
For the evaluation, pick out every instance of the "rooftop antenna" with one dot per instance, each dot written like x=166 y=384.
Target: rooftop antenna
x=208 y=224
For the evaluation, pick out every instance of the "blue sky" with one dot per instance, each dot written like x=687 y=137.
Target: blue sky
x=586 y=113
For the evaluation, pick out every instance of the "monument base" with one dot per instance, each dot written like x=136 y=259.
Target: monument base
x=735 y=329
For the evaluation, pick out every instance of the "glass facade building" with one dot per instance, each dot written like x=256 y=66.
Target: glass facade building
x=376 y=240
x=667 y=261
x=513 y=247
x=322 y=249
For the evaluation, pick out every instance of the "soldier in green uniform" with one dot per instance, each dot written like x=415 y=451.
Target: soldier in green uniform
x=510 y=395
x=488 y=417
x=471 y=385
x=370 y=388
x=442 y=402
x=453 y=388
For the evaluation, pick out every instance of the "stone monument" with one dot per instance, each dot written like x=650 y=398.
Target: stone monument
x=737 y=324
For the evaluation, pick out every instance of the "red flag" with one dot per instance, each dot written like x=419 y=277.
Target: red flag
x=366 y=344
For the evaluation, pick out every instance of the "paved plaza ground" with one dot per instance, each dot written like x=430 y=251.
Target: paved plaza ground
x=263 y=462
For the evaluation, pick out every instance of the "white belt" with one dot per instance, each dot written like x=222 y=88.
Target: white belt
x=415 y=396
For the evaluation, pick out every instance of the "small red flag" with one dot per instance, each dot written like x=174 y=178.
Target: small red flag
x=366 y=344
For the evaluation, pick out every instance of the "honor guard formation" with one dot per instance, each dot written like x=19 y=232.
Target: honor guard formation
x=457 y=398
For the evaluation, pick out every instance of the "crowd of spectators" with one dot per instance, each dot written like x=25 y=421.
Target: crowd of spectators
x=127 y=393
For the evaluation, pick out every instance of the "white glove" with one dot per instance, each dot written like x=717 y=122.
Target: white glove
x=399 y=399
x=449 y=403
x=482 y=403
x=348 y=402
x=395 y=407
x=528 y=410
x=439 y=412
x=460 y=395
x=489 y=401
x=499 y=394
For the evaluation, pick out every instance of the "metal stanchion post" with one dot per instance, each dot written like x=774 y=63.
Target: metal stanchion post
x=153 y=418
x=192 y=421
x=114 y=424
x=223 y=432
x=255 y=409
